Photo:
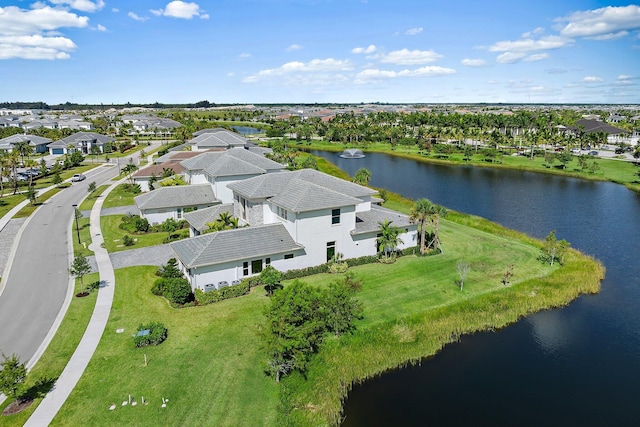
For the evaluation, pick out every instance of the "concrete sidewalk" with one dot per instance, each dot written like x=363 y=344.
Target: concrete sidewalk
x=53 y=401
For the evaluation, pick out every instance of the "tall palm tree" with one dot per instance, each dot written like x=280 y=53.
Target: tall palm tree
x=5 y=172
x=435 y=213
x=13 y=158
x=23 y=148
x=389 y=238
x=420 y=213
x=30 y=164
x=362 y=176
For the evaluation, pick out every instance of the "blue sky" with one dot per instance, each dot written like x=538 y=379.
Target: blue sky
x=307 y=51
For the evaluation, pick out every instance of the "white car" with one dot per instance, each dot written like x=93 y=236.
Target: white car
x=77 y=177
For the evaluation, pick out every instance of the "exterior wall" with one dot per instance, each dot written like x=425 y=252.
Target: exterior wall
x=221 y=183
x=367 y=243
x=143 y=182
x=158 y=216
x=195 y=177
x=230 y=271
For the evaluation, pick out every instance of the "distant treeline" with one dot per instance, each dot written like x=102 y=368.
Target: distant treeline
x=75 y=106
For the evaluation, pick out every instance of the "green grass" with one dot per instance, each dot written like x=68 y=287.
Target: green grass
x=119 y=197
x=88 y=203
x=59 y=351
x=210 y=366
x=112 y=234
x=29 y=208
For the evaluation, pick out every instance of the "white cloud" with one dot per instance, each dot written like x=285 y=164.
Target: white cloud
x=473 y=62
x=135 y=17
x=293 y=47
x=34 y=33
x=244 y=55
x=534 y=32
x=610 y=36
x=182 y=10
x=592 y=79
x=369 y=49
x=600 y=22
x=536 y=57
x=376 y=76
x=318 y=71
x=413 y=31
x=101 y=28
x=624 y=77
x=115 y=10
x=531 y=45
x=82 y=5
x=410 y=57
x=510 y=57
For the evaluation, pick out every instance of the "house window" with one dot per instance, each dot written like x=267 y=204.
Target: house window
x=256 y=266
x=282 y=213
x=288 y=256
x=331 y=250
x=179 y=212
x=245 y=268
x=267 y=261
x=335 y=216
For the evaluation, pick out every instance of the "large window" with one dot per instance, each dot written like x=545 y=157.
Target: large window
x=335 y=216
x=331 y=250
x=281 y=212
x=256 y=266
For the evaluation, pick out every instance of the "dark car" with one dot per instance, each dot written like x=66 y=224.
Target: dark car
x=619 y=151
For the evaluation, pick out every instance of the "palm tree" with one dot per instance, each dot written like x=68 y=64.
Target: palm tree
x=129 y=169
x=435 y=213
x=420 y=213
x=388 y=238
x=30 y=164
x=5 y=172
x=23 y=148
x=362 y=176
x=225 y=221
x=13 y=158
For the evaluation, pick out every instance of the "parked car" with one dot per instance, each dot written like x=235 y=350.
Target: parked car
x=575 y=151
x=619 y=151
x=77 y=177
x=593 y=153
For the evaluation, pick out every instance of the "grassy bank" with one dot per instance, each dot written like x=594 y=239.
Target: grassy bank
x=59 y=351
x=617 y=171
x=211 y=366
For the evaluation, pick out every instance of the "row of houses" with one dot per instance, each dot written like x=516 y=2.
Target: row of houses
x=79 y=141
x=288 y=219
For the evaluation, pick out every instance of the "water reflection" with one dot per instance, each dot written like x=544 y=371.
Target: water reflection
x=576 y=366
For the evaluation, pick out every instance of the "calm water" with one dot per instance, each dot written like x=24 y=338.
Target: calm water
x=576 y=366
x=247 y=130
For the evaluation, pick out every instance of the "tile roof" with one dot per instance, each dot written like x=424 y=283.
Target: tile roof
x=235 y=161
x=219 y=138
x=303 y=196
x=176 y=196
x=158 y=170
x=234 y=245
x=368 y=221
x=199 y=219
x=79 y=137
x=31 y=139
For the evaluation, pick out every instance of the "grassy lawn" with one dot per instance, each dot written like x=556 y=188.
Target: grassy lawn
x=55 y=358
x=112 y=234
x=211 y=366
x=29 y=209
x=88 y=203
x=119 y=197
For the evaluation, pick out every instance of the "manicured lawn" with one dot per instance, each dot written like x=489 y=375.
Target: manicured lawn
x=211 y=366
x=29 y=209
x=64 y=343
x=113 y=235
x=119 y=197
x=88 y=203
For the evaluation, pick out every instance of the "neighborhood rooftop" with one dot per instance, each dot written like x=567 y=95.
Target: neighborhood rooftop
x=199 y=219
x=182 y=195
x=234 y=245
x=235 y=161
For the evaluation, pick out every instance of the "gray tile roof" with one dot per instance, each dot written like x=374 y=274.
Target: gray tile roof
x=176 y=196
x=31 y=139
x=80 y=137
x=234 y=245
x=219 y=138
x=199 y=219
x=302 y=190
x=303 y=196
x=235 y=161
x=368 y=221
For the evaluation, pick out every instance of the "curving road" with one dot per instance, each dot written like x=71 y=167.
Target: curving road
x=38 y=281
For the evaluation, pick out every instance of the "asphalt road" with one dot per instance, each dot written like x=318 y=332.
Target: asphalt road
x=37 y=283
x=36 y=286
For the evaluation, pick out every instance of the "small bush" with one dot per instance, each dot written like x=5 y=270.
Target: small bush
x=178 y=291
x=131 y=188
x=128 y=240
x=170 y=270
x=157 y=334
x=227 y=292
x=183 y=234
x=338 y=267
x=134 y=224
x=158 y=287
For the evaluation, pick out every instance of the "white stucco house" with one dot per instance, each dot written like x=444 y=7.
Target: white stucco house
x=218 y=138
x=296 y=220
x=172 y=202
x=220 y=169
x=37 y=143
x=79 y=141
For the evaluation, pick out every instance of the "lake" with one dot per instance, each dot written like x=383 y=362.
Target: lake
x=575 y=366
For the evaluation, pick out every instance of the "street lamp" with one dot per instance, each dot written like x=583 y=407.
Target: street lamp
x=75 y=213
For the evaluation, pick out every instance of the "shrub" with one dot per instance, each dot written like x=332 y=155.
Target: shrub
x=170 y=225
x=169 y=270
x=338 y=267
x=178 y=291
x=158 y=287
x=176 y=236
x=134 y=224
x=131 y=188
x=128 y=240
x=157 y=334
x=227 y=292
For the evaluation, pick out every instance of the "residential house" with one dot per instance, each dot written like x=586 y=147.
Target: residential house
x=143 y=176
x=199 y=220
x=222 y=168
x=37 y=143
x=216 y=139
x=172 y=202
x=80 y=141
x=301 y=219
